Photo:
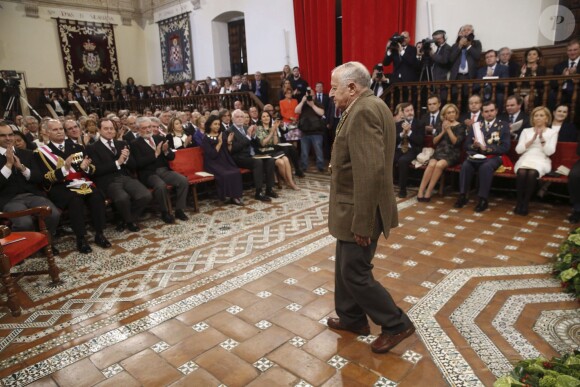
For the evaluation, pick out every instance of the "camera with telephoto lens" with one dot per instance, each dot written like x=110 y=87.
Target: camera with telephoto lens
x=469 y=37
x=426 y=46
x=395 y=40
x=309 y=94
x=12 y=80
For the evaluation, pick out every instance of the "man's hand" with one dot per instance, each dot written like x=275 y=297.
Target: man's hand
x=18 y=164
x=406 y=126
x=251 y=130
x=479 y=145
x=362 y=241
x=231 y=137
x=68 y=162
x=85 y=163
x=10 y=157
x=124 y=156
x=158 y=149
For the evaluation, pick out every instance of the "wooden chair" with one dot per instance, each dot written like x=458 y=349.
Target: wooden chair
x=17 y=246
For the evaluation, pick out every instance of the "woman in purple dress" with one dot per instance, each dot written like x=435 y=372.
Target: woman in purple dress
x=217 y=161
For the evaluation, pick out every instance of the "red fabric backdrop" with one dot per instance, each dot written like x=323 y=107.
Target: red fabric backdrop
x=315 y=22
x=367 y=26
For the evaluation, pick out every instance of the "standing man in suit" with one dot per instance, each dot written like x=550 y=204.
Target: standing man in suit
x=492 y=69
x=566 y=68
x=152 y=154
x=440 y=60
x=406 y=67
x=380 y=82
x=464 y=57
x=56 y=162
x=496 y=142
x=409 y=142
x=260 y=87
x=19 y=180
x=319 y=96
x=242 y=152
x=362 y=207
x=113 y=163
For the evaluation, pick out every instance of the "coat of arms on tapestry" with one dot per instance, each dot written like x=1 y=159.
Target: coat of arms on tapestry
x=88 y=53
x=175 y=38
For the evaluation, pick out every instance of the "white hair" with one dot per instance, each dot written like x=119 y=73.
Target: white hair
x=141 y=120
x=353 y=71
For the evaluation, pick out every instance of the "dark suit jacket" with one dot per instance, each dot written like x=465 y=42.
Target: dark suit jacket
x=405 y=68
x=264 y=89
x=362 y=179
x=559 y=70
x=473 y=55
x=53 y=179
x=17 y=183
x=426 y=121
x=497 y=139
x=129 y=137
x=241 y=144
x=499 y=71
x=441 y=63
x=513 y=68
x=417 y=137
x=521 y=116
x=104 y=161
x=375 y=86
x=145 y=158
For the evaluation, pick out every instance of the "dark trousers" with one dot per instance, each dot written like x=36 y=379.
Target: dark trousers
x=129 y=197
x=158 y=182
x=403 y=163
x=76 y=210
x=26 y=223
x=358 y=295
x=260 y=168
x=485 y=170
x=574 y=186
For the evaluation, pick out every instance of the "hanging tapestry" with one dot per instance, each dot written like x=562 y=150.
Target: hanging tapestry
x=175 y=38
x=88 y=53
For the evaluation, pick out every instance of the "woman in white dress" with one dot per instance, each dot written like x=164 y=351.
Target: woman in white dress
x=535 y=145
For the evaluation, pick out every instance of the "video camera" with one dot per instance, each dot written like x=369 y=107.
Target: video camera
x=309 y=94
x=426 y=45
x=12 y=80
x=395 y=40
x=379 y=74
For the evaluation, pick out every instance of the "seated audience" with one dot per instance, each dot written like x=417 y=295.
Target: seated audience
x=492 y=69
x=219 y=162
x=410 y=139
x=567 y=67
x=19 y=184
x=59 y=167
x=447 y=142
x=531 y=69
x=176 y=137
x=74 y=134
x=398 y=113
x=243 y=154
x=484 y=157
x=432 y=119
x=133 y=133
x=226 y=119
x=567 y=131
x=535 y=145
x=21 y=142
x=290 y=117
x=514 y=113
x=152 y=155
x=113 y=165
x=505 y=56
x=474 y=112
x=266 y=141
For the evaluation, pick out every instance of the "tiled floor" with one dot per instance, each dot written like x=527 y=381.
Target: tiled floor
x=240 y=296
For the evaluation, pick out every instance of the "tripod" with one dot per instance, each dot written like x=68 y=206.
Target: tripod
x=12 y=105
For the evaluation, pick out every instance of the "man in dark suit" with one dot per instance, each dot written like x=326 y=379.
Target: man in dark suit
x=403 y=56
x=474 y=111
x=33 y=134
x=362 y=207
x=85 y=101
x=19 y=184
x=242 y=152
x=409 y=143
x=319 y=96
x=431 y=120
x=566 y=68
x=113 y=165
x=254 y=116
x=514 y=113
x=380 y=82
x=133 y=132
x=440 y=56
x=152 y=154
x=62 y=164
x=260 y=87
x=505 y=56
x=484 y=157
x=464 y=58
x=492 y=69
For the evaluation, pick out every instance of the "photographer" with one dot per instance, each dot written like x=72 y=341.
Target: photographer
x=379 y=81
x=406 y=67
x=440 y=56
x=312 y=126
x=465 y=54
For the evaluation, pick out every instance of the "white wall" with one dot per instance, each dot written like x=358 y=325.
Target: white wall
x=497 y=23
x=32 y=45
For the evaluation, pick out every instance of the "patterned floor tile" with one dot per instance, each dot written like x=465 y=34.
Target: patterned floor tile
x=297 y=341
x=188 y=367
x=337 y=362
x=112 y=370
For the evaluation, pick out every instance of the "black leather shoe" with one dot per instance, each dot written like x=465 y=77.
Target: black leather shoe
x=402 y=194
x=55 y=251
x=299 y=173
x=574 y=217
x=461 y=201
x=83 y=246
x=167 y=218
x=120 y=227
x=101 y=241
x=132 y=227
x=179 y=214
x=482 y=205
x=271 y=193
x=262 y=198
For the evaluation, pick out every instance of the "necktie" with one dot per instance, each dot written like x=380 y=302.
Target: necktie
x=463 y=63
x=473 y=116
x=112 y=147
x=151 y=143
x=512 y=118
x=432 y=119
x=572 y=63
x=61 y=147
x=489 y=71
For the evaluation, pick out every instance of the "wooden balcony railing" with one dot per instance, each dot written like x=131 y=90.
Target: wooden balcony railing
x=544 y=90
x=199 y=102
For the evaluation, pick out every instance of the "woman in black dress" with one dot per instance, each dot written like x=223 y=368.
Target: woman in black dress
x=217 y=161
x=447 y=152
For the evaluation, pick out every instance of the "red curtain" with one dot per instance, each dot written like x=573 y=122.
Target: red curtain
x=368 y=25
x=315 y=22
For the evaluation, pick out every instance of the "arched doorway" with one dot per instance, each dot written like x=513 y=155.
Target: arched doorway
x=230 y=28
